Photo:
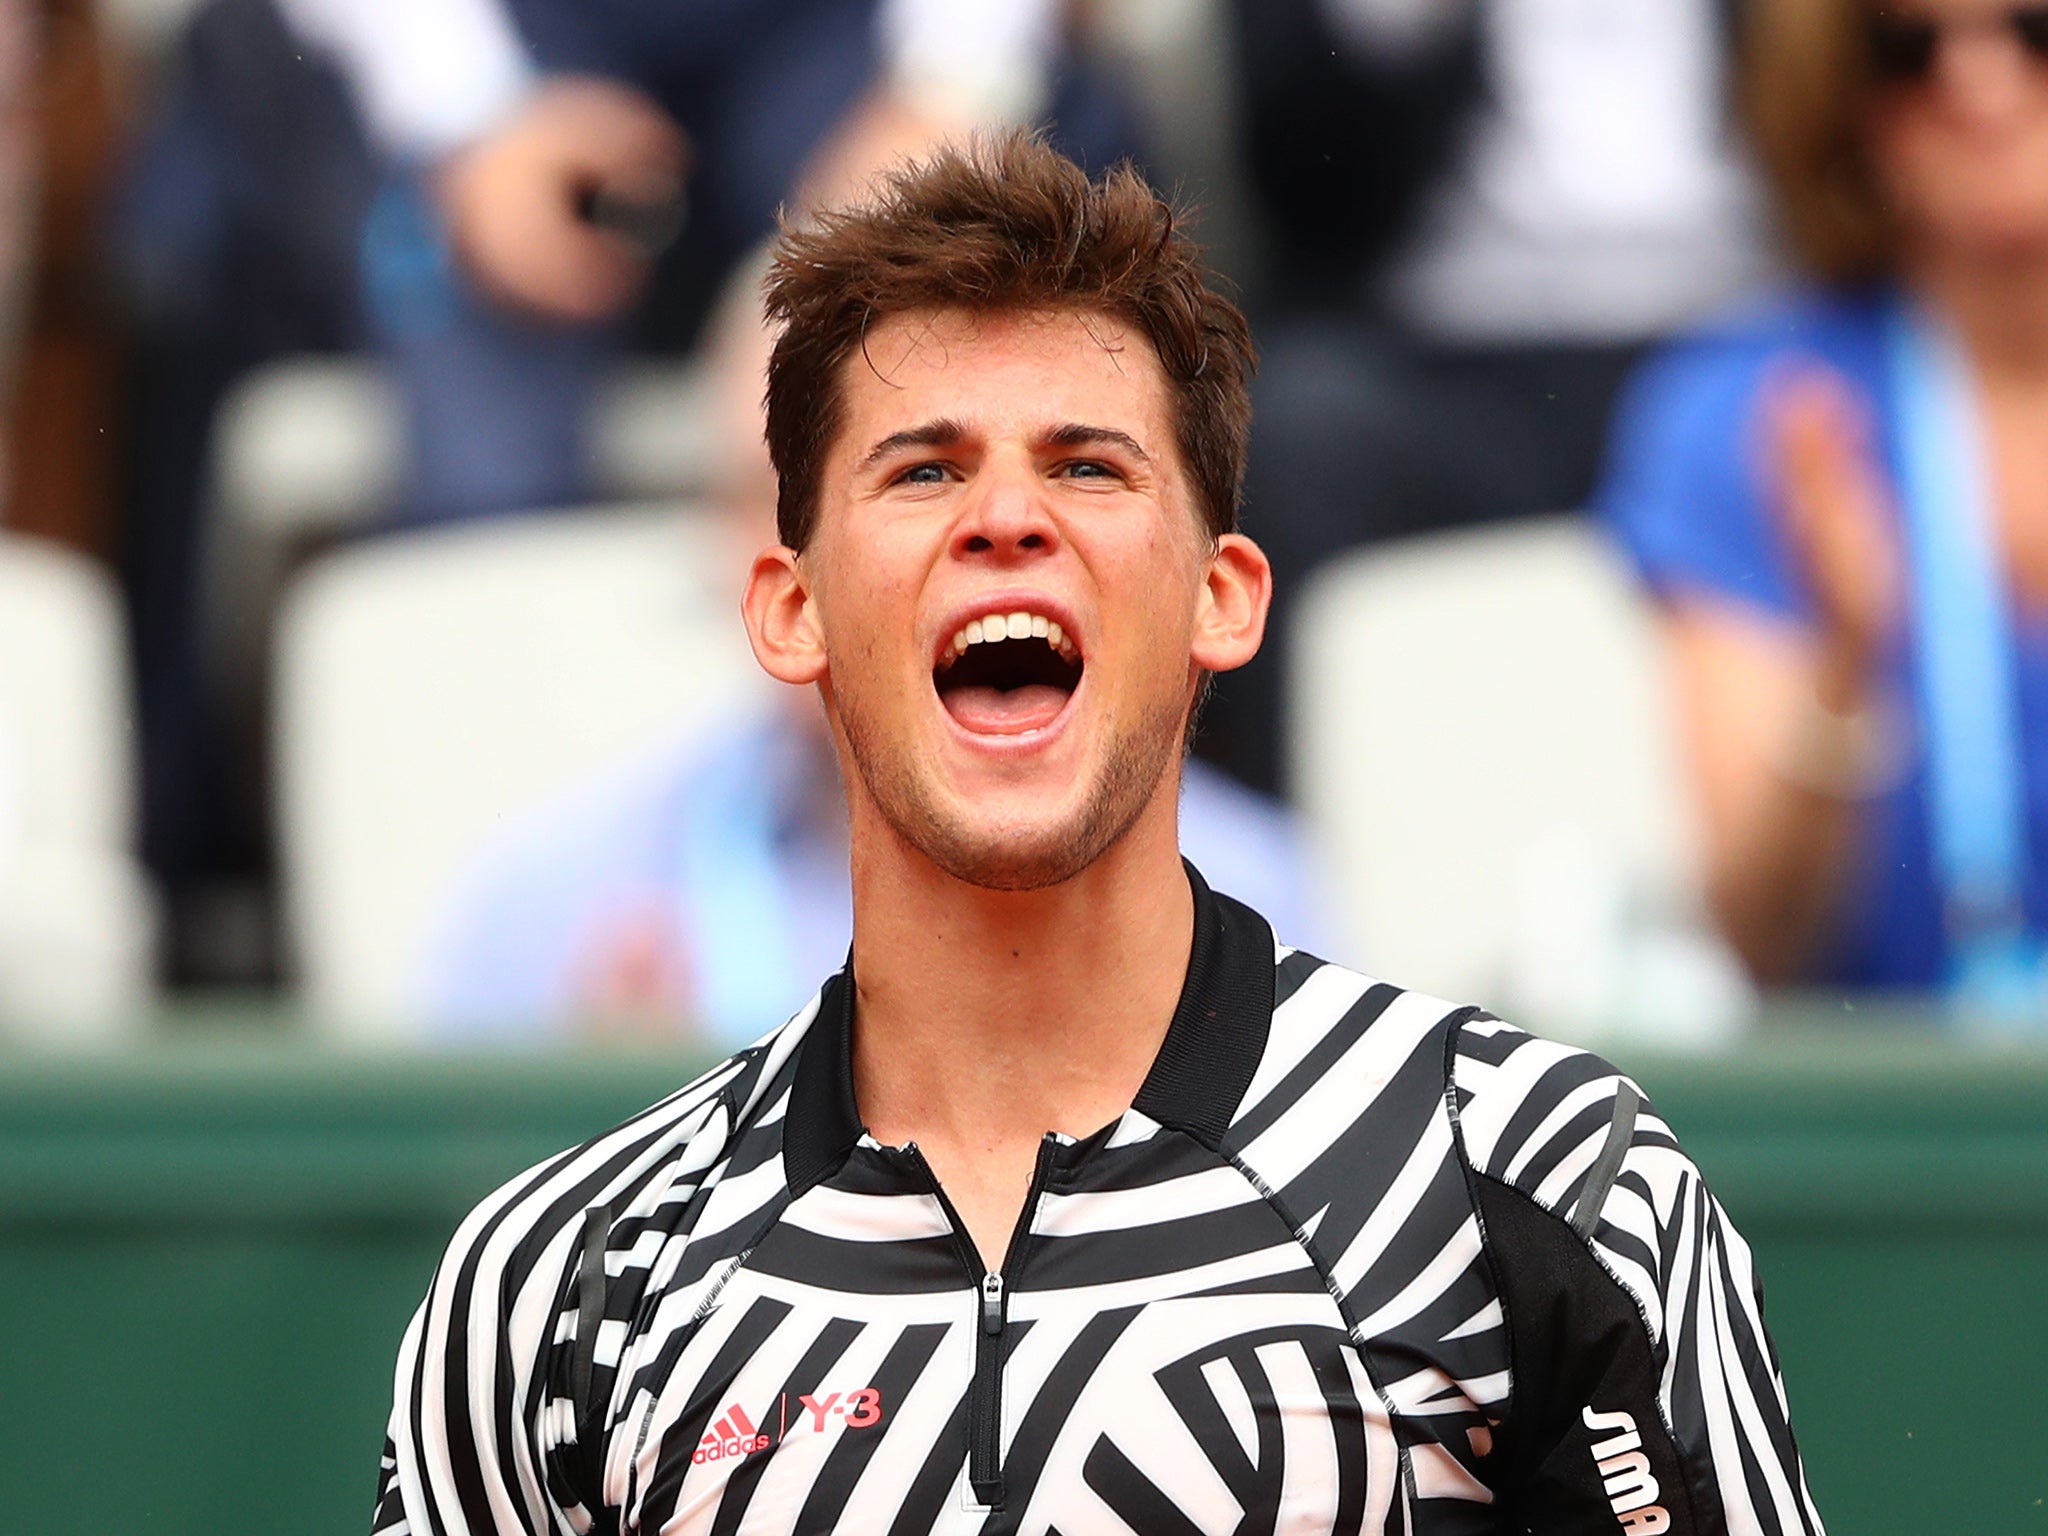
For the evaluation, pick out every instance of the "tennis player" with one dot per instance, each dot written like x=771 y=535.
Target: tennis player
x=1077 y=1201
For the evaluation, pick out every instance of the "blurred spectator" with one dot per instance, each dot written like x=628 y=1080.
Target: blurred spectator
x=1478 y=211
x=702 y=887
x=233 y=241
x=58 y=351
x=499 y=196
x=550 y=150
x=1840 y=498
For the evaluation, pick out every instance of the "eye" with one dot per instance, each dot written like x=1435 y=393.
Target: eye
x=923 y=474
x=1086 y=469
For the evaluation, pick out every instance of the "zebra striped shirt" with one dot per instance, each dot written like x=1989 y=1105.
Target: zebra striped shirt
x=1353 y=1261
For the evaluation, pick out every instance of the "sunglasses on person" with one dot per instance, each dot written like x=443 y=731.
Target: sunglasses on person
x=1902 y=48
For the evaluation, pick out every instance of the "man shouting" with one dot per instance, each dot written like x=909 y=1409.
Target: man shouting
x=1076 y=1202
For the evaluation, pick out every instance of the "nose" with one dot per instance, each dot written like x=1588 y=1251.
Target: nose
x=1006 y=516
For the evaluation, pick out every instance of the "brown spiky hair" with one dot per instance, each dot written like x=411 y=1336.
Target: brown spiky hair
x=1005 y=224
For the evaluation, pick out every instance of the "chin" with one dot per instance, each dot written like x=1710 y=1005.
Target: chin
x=1013 y=864
x=1011 y=839
x=1044 y=850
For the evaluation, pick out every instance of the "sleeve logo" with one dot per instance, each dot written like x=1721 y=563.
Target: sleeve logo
x=1625 y=1474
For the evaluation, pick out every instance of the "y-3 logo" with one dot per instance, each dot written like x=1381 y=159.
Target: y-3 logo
x=735 y=1434
x=1625 y=1474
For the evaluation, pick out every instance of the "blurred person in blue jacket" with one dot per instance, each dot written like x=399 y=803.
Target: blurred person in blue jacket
x=1840 y=498
x=559 y=159
x=697 y=889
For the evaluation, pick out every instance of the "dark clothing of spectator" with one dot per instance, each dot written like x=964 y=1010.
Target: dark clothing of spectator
x=1475 y=216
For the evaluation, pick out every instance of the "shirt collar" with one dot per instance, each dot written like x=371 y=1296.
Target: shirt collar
x=1204 y=1065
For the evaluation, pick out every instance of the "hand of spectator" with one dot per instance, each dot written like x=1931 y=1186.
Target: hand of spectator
x=1838 y=518
x=517 y=201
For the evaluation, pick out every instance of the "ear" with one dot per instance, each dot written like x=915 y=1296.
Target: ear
x=1230 y=615
x=782 y=623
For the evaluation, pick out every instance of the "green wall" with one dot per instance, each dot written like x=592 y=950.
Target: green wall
x=207 y=1257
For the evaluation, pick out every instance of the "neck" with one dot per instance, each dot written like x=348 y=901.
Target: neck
x=1999 y=307
x=987 y=1018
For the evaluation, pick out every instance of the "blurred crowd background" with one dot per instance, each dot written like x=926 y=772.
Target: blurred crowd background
x=1651 y=442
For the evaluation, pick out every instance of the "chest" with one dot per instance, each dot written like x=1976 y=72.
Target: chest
x=1159 y=1356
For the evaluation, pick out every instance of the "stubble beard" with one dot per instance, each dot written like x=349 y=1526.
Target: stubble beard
x=1133 y=769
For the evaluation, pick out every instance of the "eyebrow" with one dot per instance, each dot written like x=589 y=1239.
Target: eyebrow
x=1081 y=435
x=941 y=433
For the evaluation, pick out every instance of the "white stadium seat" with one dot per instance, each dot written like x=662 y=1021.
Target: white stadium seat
x=431 y=685
x=1483 y=745
x=77 y=919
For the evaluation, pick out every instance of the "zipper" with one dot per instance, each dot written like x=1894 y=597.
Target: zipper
x=985 y=1402
x=991 y=1335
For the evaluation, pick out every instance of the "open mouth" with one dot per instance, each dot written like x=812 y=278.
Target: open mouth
x=1008 y=673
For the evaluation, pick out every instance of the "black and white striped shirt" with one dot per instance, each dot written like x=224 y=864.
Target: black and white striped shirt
x=1354 y=1261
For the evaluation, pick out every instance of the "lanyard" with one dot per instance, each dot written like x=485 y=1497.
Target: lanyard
x=1964 y=661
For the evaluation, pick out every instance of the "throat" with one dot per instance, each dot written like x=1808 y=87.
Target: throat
x=1000 y=1015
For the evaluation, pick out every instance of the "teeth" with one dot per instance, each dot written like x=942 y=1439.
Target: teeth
x=1010 y=626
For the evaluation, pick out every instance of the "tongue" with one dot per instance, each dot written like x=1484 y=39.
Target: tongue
x=996 y=712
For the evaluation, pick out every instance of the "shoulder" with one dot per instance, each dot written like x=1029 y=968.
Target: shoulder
x=1686 y=487
x=1699 y=386
x=507 y=937
x=652 y=1170
x=1353 y=1075
x=566 y=853
x=1841 y=325
x=596 y=831
x=1526 y=1105
x=1559 y=1141
x=1360 y=1074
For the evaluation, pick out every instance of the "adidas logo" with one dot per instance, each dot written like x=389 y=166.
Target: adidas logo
x=1625 y=1474
x=733 y=1435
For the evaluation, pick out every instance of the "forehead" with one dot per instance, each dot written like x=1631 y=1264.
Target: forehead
x=1006 y=371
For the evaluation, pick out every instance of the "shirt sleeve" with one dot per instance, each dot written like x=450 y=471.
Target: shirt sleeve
x=511 y=1368
x=474 y=1442
x=1645 y=1390
x=427 y=75
x=1685 y=490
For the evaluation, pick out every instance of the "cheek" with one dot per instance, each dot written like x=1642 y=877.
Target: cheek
x=1159 y=594
x=1926 y=166
x=868 y=606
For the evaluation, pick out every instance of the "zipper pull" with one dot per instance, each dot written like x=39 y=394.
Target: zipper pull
x=991 y=1303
